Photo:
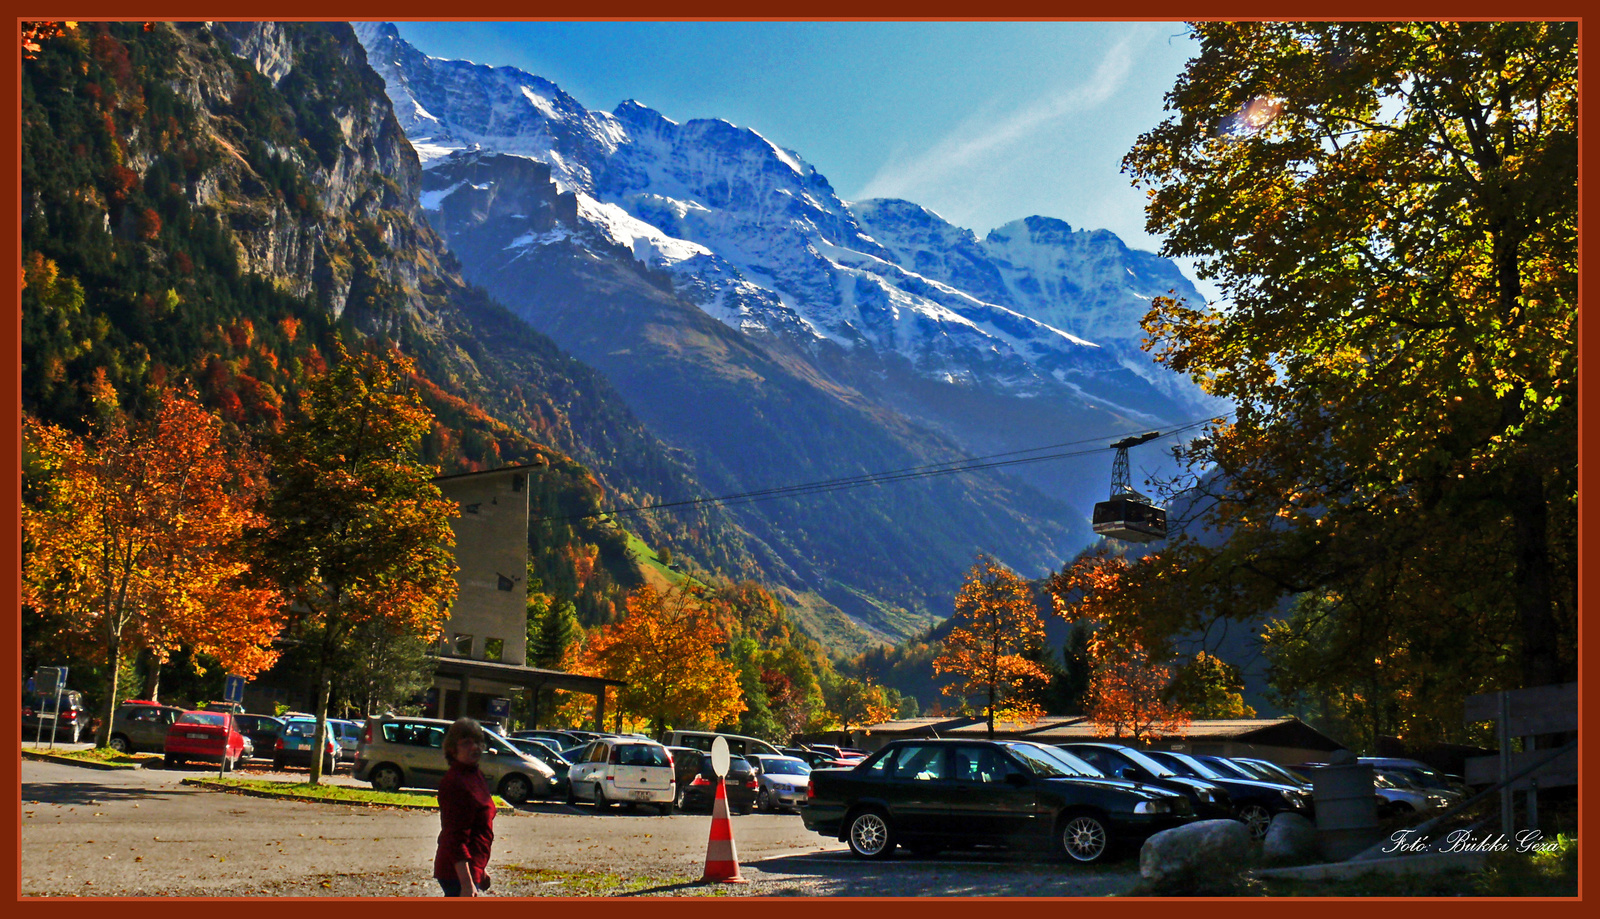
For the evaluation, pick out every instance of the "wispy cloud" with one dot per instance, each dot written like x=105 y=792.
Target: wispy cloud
x=984 y=137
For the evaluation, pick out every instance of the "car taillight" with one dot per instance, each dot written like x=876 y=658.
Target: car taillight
x=700 y=780
x=751 y=783
x=27 y=712
x=366 y=738
x=279 y=744
x=811 y=789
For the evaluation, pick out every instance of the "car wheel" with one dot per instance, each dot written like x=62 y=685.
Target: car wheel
x=600 y=802
x=681 y=801
x=227 y=763
x=329 y=765
x=516 y=789
x=763 y=801
x=170 y=761
x=73 y=732
x=1256 y=819
x=277 y=763
x=120 y=744
x=387 y=778
x=870 y=835
x=1084 y=838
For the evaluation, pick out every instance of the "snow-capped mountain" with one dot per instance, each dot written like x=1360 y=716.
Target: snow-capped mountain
x=758 y=239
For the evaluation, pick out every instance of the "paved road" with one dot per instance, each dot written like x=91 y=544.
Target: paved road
x=141 y=833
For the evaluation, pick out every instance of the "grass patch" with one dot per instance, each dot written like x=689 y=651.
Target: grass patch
x=551 y=882
x=338 y=794
x=103 y=755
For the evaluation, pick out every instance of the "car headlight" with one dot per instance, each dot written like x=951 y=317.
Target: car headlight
x=1152 y=807
x=1292 y=797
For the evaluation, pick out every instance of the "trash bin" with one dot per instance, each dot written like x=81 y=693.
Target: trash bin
x=1347 y=809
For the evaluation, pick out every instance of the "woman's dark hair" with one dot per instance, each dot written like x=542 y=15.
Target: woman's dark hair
x=463 y=729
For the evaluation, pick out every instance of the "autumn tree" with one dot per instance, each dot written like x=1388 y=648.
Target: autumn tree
x=132 y=536
x=1389 y=211
x=666 y=648
x=1206 y=686
x=1128 y=691
x=859 y=703
x=997 y=621
x=359 y=536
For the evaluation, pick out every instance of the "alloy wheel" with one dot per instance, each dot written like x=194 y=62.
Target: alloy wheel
x=1084 y=838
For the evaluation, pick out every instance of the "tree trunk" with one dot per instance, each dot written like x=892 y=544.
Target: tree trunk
x=152 y=678
x=320 y=744
x=1541 y=664
x=113 y=656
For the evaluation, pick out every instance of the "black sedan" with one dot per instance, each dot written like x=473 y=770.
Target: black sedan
x=1255 y=802
x=928 y=795
x=697 y=784
x=261 y=730
x=1210 y=800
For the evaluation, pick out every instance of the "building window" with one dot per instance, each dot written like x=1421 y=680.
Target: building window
x=505 y=582
x=461 y=645
x=493 y=648
x=517 y=480
x=471 y=508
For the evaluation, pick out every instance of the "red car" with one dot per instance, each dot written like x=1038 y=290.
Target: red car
x=204 y=736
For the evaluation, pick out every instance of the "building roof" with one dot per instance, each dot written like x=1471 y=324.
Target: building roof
x=521 y=675
x=525 y=466
x=1287 y=731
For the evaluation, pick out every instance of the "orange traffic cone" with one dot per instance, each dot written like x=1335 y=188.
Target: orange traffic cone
x=722 y=862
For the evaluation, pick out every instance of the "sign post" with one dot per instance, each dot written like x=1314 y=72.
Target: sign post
x=49 y=681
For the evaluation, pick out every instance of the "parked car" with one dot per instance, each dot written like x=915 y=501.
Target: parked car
x=1420 y=774
x=623 y=770
x=1271 y=771
x=1255 y=802
x=206 y=736
x=348 y=734
x=139 y=725
x=697 y=783
x=738 y=744
x=558 y=740
x=1209 y=800
x=39 y=718
x=932 y=794
x=780 y=782
x=296 y=741
x=261 y=731
x=399 y=751
x=544 y=754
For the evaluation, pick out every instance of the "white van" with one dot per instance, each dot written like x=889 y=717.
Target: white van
x=738 y=744
x=623 y=770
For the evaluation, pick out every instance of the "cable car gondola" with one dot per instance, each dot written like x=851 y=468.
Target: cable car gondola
x=1129 y=515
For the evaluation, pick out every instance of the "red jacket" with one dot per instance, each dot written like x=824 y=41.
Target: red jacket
x=466 y=821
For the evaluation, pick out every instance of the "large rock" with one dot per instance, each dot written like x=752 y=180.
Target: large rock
x=1290 y=838
x=1205 y=846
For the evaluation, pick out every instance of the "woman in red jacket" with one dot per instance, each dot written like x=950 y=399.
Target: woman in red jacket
x=466 y=815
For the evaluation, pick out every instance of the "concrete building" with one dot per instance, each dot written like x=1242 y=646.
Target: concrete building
x=484 y=649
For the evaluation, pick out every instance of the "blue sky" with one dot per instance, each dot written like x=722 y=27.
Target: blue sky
x=984 y=123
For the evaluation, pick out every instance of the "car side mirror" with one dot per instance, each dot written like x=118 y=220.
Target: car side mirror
x=1016 y=780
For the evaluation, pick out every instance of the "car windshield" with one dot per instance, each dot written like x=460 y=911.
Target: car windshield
x=642 y=755
x=1077 y=764
x=1040 y=762
x=1151 y=764
x=201 y=718
x=1273 y=770
x=300 y=728
x=774 y=766
x=1185 y=767
x=1229 y=769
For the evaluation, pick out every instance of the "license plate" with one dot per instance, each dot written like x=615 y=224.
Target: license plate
x=197 y=736
x=640 y=795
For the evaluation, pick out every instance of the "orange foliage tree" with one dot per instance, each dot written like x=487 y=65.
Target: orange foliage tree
x=133 y=535
x=997 y=620
x=1127 y=692
x=666 y=648
x=359 y=537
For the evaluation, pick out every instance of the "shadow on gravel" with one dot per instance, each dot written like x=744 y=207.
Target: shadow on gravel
x=966 y=874
x=72 y=794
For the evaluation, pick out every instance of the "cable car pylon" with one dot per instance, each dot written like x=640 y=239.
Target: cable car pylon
x=1128 y=515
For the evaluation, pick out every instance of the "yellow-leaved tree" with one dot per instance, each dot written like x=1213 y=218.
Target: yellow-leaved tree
x=997 y=619
x=132 y=536
x=666 y=648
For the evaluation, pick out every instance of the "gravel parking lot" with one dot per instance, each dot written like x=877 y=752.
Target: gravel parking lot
x=141 y=833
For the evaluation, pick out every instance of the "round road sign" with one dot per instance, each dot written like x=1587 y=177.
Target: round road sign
x=719 y=757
